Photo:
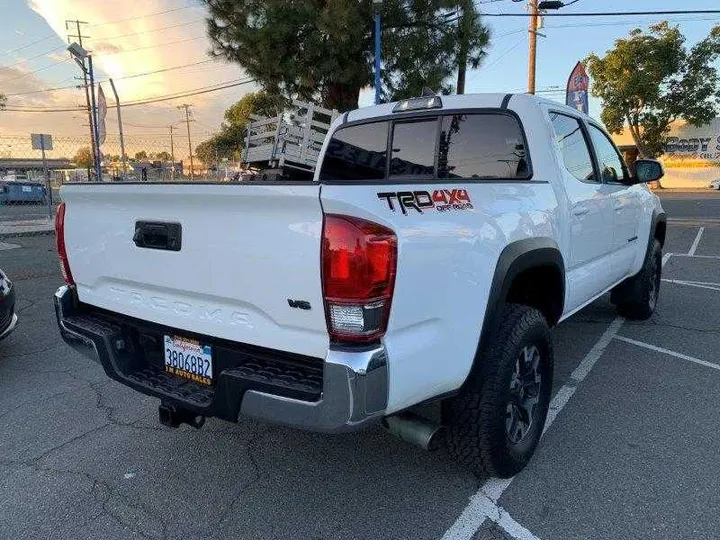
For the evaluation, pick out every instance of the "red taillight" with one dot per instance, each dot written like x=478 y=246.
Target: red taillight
x=359 y=259
x=60 y=239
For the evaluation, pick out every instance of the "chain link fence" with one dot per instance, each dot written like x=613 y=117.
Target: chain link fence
x=30 y=185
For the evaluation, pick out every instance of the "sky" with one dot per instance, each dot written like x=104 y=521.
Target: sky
x=128 y=42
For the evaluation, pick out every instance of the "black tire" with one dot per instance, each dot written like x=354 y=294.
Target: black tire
x=637 y=297
x=478 y=420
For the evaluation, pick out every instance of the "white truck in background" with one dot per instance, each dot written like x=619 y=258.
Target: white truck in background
x=438 y=243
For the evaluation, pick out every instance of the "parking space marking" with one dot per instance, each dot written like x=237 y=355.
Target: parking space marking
x=594 y=355
x=5 y=246
x=694 y=256
x=698 y=284
x=483 y=504
x=666 y=258
x=668 y=352
x=512 y=527
x=695 y=243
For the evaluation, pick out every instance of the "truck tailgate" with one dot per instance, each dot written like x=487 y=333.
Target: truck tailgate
x=247 y=268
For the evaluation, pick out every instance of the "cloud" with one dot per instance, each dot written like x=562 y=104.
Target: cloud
x=127 y=42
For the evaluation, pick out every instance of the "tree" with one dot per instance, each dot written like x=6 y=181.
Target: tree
x=256 y=103
x=163 y=156
x=650 y=79
x=141 y=155
x=230 y=138
x=3 y=101
x=323 y=51
x=83 y=158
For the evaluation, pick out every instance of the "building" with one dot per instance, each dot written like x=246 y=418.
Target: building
x=691 y=158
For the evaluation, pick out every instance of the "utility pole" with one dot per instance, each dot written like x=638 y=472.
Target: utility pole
x=464 y=29
x=94 y=116
x=186 y=106
x=172 y=155
x=377 y=5
x=532 y=60
x=79 y=36
x=123 y=157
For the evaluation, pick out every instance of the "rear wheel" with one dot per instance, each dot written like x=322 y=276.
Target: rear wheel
x=637 y=297
x=495 y=423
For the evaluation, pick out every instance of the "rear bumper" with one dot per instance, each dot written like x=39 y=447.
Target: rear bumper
x=342 y=392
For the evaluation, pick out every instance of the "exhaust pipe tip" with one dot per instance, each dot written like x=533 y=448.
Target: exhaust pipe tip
x=414 y=429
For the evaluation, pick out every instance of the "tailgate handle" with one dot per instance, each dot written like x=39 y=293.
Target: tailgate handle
x=158 y=235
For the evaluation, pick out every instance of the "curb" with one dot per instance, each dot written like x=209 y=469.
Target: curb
x=21 y=234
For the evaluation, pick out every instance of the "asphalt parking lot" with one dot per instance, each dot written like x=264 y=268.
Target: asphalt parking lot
x=631 y=451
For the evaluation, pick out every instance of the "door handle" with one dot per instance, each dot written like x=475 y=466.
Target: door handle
x=581 y=210
x=158 y=235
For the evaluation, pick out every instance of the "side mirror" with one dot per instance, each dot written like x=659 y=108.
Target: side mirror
x=647 y=170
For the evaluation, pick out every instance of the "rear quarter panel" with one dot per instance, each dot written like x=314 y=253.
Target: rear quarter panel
x=446 y=263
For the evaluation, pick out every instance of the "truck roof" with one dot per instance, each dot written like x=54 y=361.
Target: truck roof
x=465 y=101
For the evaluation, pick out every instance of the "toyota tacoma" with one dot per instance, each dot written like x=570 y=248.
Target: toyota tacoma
x=440 y=241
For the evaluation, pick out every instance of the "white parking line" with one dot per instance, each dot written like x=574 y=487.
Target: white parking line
x=666 y=258
x=483 y=504
x=5 y=246
x=694 y=256
x=699 y=285
x=695 y=244
x=669 y=352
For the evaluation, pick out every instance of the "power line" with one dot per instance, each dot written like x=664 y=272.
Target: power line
x=163 y=70
x=611 y=13
x=159 y=99
x=101 y=54
x=33 y=57
x=36 y=70
x=13 y=51
x=45 y=90
x=154 y=30
x=189 y=94
x=163 y=12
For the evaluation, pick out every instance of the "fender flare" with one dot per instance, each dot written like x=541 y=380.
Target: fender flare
x=658 y=218
x=514 y=259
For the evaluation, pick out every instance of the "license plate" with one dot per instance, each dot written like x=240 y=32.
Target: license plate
x=188 y=359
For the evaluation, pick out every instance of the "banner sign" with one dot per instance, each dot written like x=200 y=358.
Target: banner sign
x=577 y=89
x=101 y=114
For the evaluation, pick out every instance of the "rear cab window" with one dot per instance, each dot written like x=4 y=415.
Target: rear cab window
x=477 y=145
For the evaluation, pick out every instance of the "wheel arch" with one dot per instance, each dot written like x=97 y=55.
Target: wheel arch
x=658 y=229
x=520 y=265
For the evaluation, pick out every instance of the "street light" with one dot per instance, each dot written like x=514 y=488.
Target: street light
x=377 y=4
x=80 y=55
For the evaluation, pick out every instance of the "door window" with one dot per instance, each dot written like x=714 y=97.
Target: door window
x=573 y=147
x=612 y=167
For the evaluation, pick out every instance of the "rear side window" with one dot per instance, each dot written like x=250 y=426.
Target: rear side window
x=413 y=150
x=573 y=146
x=357 y=153
x=482 y=146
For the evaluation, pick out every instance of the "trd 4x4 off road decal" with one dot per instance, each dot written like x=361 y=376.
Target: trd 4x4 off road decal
x=441 y=200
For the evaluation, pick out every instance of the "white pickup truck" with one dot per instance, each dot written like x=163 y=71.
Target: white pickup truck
x=440 y=240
